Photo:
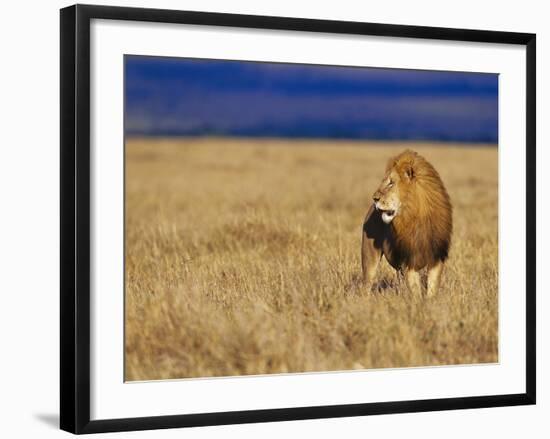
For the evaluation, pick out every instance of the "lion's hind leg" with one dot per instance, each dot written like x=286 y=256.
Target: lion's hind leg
x=370 y=261
x=371 y=250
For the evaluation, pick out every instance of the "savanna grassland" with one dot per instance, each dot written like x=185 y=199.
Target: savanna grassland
x=243 y=257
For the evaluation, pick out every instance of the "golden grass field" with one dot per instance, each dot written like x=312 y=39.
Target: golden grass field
x=243 y=257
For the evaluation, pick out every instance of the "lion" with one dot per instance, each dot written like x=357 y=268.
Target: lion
x=409 y=222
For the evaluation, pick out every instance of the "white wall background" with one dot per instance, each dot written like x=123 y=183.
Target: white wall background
x=29 y=237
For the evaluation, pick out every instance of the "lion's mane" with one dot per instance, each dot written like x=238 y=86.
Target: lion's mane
x=421 y=234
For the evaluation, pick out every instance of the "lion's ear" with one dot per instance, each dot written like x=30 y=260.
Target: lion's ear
x=409 y=171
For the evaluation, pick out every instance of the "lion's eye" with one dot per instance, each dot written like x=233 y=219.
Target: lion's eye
x=390 y=184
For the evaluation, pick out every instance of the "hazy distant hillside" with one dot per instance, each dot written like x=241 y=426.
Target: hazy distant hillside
x=173 y=96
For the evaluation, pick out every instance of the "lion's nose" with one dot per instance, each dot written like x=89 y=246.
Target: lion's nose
x=376 y=197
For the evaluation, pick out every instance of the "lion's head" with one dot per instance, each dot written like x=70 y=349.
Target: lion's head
x=387 y=198
x=413 y=202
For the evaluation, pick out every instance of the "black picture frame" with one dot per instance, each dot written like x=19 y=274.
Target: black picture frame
x=75 y=217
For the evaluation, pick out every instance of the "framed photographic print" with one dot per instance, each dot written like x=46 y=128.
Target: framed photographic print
x=268 y=218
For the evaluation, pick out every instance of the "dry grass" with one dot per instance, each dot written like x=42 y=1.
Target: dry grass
x=243 y=257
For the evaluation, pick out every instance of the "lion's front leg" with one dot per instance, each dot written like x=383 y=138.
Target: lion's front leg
x=434 y=278
x=371 y=251
x=414 y=282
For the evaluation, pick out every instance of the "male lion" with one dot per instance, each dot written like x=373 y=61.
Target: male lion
x=410 y=223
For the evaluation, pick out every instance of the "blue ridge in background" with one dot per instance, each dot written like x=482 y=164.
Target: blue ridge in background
x=194 y=97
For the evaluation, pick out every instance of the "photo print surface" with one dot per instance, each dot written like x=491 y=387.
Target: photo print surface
x=290 y=218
